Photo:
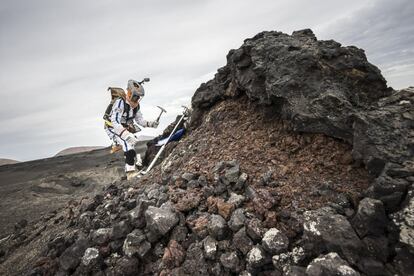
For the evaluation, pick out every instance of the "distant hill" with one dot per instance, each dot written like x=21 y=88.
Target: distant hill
x=4 y=161
x=73 y=150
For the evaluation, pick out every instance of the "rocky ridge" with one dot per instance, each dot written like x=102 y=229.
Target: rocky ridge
x=268 y=179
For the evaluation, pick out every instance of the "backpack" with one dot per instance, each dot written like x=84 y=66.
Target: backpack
x=117 y=93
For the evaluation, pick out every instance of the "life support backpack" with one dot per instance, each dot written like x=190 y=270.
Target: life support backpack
x=117 y=93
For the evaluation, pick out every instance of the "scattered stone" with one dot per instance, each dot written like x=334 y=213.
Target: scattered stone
x=275 y=242
x=232 y=174
x=242 y=241
x=237 y=220
x=236 y=200
x=120 y=230
x=256 y=257
x=91 y=257
x=230 y=261
x=217 y=227
x=135 y=244
x=195 y=263
x=136 y=217
x=255 y=230
x=330 y=264
x=188 y=176
x=370 y=218
x=325 y=230
x=71 y=257
x=263 y=201
x=293 y=270
x=153 y=194
x=241 y=182
x=174 y=254
x=179 y=233
x=101 y=236
x=225 y=209
x=200 y=225
x=193 y=184
x=250 y=192
x=188 y=201
x=210 y=248
x=126 y=266
x=266 y=178
x=160 y=220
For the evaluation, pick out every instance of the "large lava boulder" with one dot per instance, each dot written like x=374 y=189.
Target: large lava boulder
x=318 y=85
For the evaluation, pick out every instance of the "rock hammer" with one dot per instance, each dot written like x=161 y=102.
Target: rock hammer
x=162 y=111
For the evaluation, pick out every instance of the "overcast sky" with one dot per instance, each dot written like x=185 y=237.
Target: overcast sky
x=58 y=57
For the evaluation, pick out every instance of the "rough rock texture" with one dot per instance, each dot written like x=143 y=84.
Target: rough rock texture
x=330 y=264
x=275 y=242
x=318 y=85
x=260 y=184
x=327 y=231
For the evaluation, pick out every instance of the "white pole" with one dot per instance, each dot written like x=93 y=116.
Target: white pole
x=162 y=148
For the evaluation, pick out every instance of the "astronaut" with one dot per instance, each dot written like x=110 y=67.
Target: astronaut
x=124 y=114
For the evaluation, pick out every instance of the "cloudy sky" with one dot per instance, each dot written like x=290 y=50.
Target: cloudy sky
x=58 y=57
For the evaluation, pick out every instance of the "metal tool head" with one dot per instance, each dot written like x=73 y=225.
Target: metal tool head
x=162 y=109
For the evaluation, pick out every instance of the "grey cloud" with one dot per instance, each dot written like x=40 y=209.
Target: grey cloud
x=386 y=31
x=58 y=57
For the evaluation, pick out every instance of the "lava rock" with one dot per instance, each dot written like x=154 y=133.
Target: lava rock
x=381 y=145
x=370 y=218
x=160 y=220
x=318 y=84
x=256 y=257
x=255 y=229
x=135 y=244
x=126 y=266
x=188 y=176
x=91 y=258
x=330 y=264
x=236 y=200
x=101 y=236
x=324 y=230
x=230 y=261
x=225 y=209
x=294 y=270
x=194 y=263
x=179 y=233
x=174 y=254
x=242 y=241
x=210 y=247
x=237 y=220
x=232 y=174
x=217 y=227
x=275 y=242
x=188 y=201
x=71 y=257
x=120 y=230
x=241 y=182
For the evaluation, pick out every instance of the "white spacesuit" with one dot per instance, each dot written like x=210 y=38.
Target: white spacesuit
x=125 y=113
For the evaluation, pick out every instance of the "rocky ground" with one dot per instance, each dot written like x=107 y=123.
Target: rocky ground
x=298 y=160
x=31 y=193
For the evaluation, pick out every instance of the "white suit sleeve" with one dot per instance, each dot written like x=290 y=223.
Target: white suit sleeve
x=139 y=119
x=116 y=116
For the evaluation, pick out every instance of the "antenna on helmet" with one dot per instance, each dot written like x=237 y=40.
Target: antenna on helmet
x=144 y=80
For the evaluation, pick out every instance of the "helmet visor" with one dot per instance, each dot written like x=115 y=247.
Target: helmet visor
x=135 y=97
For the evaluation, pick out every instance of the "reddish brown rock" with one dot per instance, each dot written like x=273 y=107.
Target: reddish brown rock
x=174 y=254
x=225 y=209
x=188 y=202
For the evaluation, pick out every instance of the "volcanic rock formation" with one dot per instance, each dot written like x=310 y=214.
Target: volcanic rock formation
x=298 y=161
